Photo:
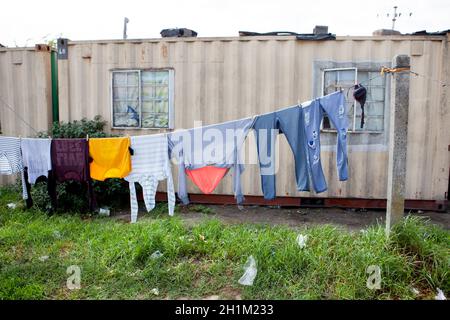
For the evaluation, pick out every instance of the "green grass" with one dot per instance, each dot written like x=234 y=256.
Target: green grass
x=202 y=209
x=207 y=259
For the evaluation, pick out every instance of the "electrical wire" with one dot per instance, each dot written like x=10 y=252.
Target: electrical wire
x=17 y=115
x=430 y=78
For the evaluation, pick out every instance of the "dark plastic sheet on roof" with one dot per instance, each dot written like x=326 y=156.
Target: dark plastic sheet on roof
x=425 y=33
x=299 y=36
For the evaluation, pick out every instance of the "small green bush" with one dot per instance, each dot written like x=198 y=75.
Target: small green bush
x=77 y=129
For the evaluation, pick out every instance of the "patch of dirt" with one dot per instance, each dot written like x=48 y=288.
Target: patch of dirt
x=229 y=293
x=294 y=217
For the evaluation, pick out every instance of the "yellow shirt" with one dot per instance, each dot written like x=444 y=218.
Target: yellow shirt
x=111 y=158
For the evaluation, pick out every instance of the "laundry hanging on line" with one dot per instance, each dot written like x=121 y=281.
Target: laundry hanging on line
x=333 y=105
x=217 y=146
x=267 y=127
x=110 y=157
x=204 y=154
x=11 y=160
x=300 y=124
x=150 y=164
x=70 y=162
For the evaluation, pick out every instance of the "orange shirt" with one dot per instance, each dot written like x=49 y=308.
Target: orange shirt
x=110 y=158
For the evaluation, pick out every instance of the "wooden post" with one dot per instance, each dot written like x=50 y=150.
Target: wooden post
x=398 y=134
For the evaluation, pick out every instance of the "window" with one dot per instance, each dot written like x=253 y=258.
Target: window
x=142 y=98
x=374 y=108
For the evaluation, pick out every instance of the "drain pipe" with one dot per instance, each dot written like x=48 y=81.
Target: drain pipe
x=55 y=96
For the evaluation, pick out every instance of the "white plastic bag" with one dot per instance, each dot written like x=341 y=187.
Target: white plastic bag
x=156 y=255
x=301 y=240
x=440 y=295
x=250 y=272
x=103 y=212
x=155 y=291
x=11 y=205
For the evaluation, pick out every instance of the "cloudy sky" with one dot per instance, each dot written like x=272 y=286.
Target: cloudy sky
x=29 y=22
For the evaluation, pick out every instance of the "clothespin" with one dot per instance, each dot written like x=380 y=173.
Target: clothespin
x=87 y=137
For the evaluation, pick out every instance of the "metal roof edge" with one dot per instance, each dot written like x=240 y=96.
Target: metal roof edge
x=255 y=38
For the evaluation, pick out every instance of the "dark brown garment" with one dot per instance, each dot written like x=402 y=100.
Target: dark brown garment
x=70 y=161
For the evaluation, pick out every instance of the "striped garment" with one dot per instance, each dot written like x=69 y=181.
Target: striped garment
x=11 y=160
x=150 y=164
x=36 y=157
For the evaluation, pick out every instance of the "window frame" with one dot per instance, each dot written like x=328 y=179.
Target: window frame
x=362 y=140
x=170 y=98
x=362 y=66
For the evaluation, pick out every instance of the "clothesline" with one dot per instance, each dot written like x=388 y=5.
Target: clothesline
x=17 y=115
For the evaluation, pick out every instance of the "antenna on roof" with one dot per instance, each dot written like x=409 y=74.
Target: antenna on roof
x=125 y=21
x=395 y=15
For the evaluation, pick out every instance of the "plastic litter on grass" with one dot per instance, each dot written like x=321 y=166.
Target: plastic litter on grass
x=250 y=272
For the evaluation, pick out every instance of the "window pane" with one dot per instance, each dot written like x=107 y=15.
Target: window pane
x=148 y=93
x=162 y=77
x=375 y=94
x=126 y=119
x=155 y=99
x=375 y=79
x=132 y=78
x=371 y=123
x=147 y=77
x=120 y=106
x=336 y=79
x=162 y=106
x=363 y=76
x=161 y=120
x=148 y=106
x=376 y=109
x=120 y=93
x=126 y=114
x=119 y=78
x=133 y=93
x=371 y=109
x=148 y=120
x=161 y=92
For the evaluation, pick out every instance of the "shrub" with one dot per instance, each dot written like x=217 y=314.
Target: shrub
x=77 y=129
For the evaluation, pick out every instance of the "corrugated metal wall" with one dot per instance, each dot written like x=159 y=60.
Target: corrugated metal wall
x=25 y=87
x=221 y=79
